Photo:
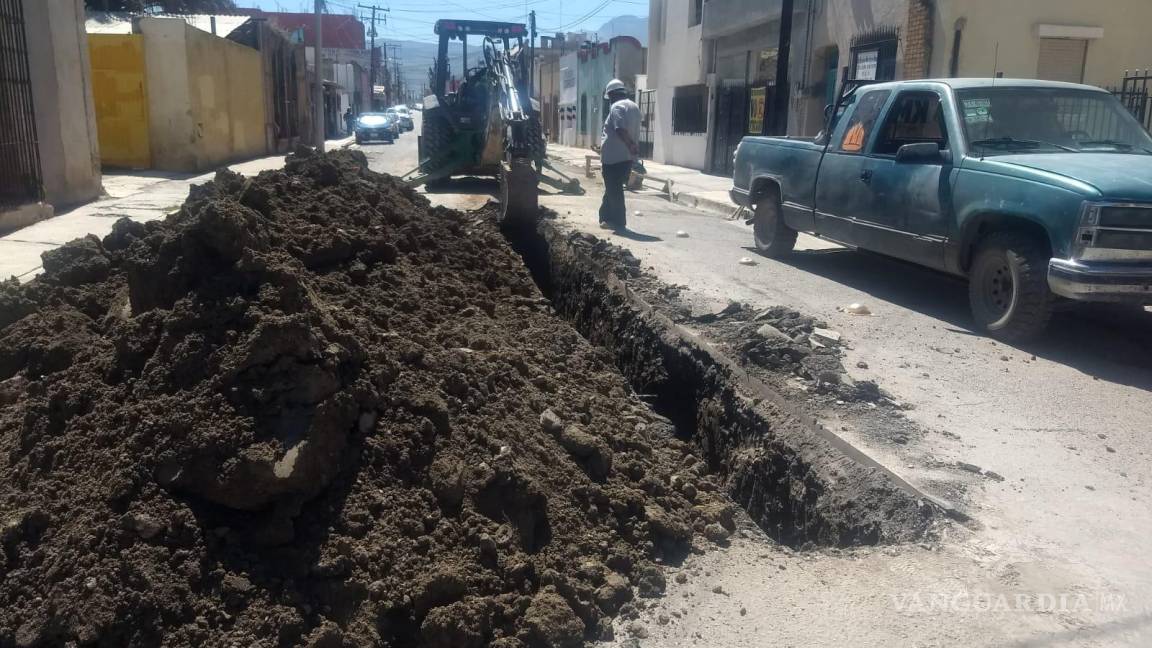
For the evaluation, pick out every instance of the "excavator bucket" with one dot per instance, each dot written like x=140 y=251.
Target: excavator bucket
x=519 y=194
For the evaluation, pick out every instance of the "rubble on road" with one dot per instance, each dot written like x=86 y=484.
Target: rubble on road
x=308 y=409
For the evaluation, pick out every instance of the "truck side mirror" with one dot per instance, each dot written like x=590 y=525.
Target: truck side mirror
x=921 y=153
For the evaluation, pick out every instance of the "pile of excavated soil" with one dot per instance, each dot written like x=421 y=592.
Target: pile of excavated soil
x=308 y=409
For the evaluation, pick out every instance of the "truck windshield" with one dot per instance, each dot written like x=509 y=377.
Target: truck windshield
x=1006 y=120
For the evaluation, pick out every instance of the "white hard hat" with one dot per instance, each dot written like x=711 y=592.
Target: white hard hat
x=614 y=84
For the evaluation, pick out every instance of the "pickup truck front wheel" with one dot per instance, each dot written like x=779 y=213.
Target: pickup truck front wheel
x=773 y=237
x=1008 y=286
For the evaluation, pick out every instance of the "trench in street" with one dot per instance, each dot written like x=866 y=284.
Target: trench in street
x=799 y=483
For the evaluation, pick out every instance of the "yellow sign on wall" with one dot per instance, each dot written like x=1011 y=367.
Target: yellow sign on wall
x=121 y=97
x=756 y=100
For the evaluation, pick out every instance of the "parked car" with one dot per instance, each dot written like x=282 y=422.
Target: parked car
x=375 y=126
x=403 y=117
x=1035 y=191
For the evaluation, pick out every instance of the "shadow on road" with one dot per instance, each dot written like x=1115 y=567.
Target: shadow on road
x=1107 y=342
x=637 y=236
x=469 y=185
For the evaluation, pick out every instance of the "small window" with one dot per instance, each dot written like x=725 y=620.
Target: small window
x=863 y=120
x=915 y=118
x=697 y=16
x=874 y=61
x=689 y=113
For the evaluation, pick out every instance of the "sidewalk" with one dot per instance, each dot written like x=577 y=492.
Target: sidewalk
x=687 y=187
x=141 y=196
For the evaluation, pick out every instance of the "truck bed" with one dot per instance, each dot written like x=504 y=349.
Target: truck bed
x=792 y=162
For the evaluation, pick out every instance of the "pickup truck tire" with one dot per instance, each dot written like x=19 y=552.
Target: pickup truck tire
x=1008 y=286
x=773 y=237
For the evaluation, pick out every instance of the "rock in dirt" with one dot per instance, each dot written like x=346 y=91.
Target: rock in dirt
x=272 y=420
x=550 y=622
x=614 y=593
x=717 y=533
x=651 y=581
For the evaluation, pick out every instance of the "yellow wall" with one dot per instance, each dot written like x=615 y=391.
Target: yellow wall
x=1003 y=35
x=119 y=90
x=207 y=97
x=227 y=82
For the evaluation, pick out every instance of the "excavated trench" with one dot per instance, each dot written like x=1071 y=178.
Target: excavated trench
x=800 y=483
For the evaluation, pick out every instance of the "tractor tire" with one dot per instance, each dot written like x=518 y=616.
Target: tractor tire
x=435 y=141
x=1008 y=286
x=774 y=239
x=536 y=139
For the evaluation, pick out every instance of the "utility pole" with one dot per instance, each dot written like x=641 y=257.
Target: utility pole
x=395 y=85
x=783 y=85
x=318 y=85
x=372 y=52
x=387 y=74
x=531 y=51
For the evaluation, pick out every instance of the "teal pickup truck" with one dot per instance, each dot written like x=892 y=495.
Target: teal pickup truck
x=1035 y=191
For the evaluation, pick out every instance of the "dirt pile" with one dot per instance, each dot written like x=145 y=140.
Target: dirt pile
x=308 y=409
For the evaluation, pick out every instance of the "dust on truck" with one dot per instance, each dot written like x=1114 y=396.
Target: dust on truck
x=1037 y=192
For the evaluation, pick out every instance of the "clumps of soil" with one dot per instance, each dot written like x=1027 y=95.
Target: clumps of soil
x=308 y=409
x=783 y=341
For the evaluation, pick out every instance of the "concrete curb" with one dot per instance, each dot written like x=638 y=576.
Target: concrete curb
x=687 y=199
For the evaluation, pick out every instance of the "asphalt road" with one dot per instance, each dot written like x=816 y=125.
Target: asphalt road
x=1067 y=423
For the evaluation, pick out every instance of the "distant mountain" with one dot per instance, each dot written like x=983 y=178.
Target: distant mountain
x=417 y=57
x=635 y=26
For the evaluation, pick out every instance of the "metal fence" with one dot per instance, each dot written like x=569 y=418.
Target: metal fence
x=20 y=180
x=1135 y=92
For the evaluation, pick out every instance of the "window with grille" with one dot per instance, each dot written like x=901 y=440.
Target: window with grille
x=689 y=109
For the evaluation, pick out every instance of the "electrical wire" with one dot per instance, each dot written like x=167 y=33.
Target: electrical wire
x=591 y=14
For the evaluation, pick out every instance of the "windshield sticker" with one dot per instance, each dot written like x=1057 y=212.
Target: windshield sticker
x=976 y=110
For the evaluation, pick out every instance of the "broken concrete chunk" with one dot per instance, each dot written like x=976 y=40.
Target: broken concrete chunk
x=826 y=336
x=769 y=332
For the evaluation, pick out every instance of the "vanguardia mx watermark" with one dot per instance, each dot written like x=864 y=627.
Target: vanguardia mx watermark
x=1051 y=602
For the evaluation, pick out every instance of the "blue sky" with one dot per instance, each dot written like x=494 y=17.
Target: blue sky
x=413 y=19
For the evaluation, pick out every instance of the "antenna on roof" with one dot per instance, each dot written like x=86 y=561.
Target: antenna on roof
x=995 y=62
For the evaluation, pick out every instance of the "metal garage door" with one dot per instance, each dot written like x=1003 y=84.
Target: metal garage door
x=1062 y=59
x=20 y=180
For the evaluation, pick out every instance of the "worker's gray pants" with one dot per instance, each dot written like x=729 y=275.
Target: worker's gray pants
x=612 y=210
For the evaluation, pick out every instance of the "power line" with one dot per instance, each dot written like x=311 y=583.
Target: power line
x=591 y=14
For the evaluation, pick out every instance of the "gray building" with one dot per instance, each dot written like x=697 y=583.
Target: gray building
x=49 y=155
x=714 y=74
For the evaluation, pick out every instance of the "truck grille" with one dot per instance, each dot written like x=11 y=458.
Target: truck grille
x=1119 y=233
x=1126 y=217
x=1123 y=240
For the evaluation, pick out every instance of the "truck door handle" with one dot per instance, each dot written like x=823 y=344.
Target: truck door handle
x=866 y=176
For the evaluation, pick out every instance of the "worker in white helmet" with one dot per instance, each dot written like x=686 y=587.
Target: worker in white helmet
x=618 y=151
